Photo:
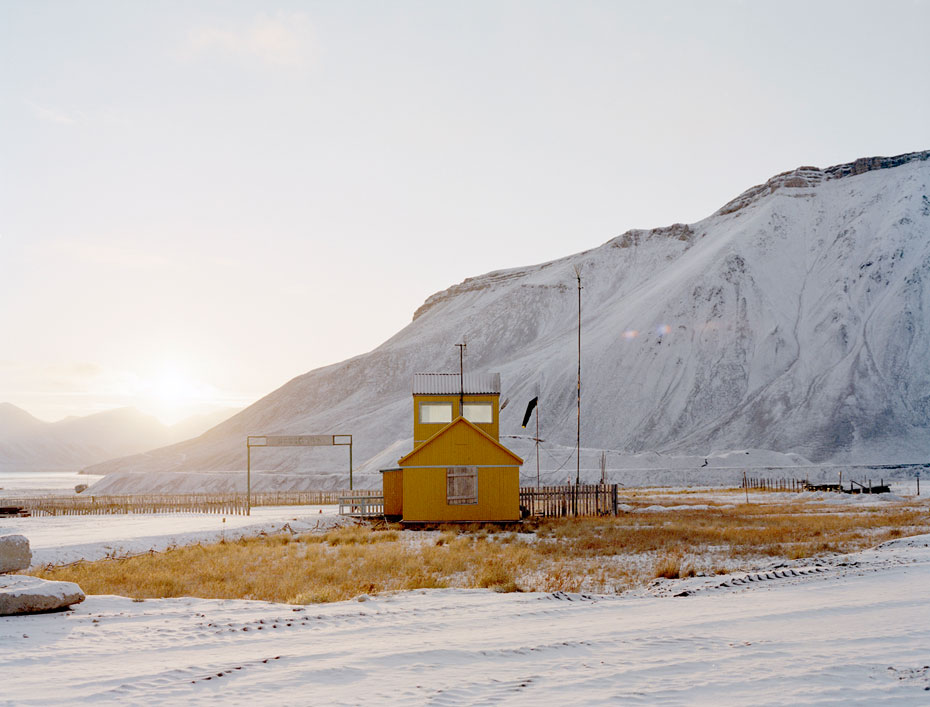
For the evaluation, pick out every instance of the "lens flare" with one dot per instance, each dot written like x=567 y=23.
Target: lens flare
x=664 y=329
x=630 y=334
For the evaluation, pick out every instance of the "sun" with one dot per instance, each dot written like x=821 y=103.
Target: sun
x=173 y=387
x=172 y=394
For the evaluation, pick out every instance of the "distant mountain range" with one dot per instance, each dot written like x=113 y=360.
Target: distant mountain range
x=29 y=444
x=796 y=319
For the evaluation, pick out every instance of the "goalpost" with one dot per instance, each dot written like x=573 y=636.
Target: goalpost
x=291 y=441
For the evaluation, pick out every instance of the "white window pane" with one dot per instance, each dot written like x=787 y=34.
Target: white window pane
x=478 y=412
x=431 y=413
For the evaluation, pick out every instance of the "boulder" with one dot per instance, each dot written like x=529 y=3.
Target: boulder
x=15 y=554
x=21 y=594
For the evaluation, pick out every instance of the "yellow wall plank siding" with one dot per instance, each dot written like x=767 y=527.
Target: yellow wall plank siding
x=425 y=496
x=393 y=484
x=460 y=442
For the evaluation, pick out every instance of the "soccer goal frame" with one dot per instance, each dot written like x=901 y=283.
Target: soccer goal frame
x=290 y=441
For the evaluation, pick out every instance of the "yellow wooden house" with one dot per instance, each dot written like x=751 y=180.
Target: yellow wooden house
x=458 y=471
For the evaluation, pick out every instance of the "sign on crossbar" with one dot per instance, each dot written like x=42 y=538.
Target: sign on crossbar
x=293 y=441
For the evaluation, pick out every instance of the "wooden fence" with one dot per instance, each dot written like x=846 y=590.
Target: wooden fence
x=563 y=501
x=774 y=484
x=224 y=504
x=855 y=487
x=306 y=498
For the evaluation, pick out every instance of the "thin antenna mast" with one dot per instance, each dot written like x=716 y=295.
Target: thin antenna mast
x=462 y=348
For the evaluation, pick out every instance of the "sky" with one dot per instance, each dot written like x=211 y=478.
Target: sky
x=200 y=200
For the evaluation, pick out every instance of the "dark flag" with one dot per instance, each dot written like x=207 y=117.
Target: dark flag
x=529 y=410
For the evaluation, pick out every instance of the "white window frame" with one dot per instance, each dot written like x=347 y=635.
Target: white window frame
x=425 y=406
x=461 y=485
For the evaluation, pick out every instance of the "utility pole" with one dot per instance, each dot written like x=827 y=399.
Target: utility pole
x=578 y=433
x=462 y=348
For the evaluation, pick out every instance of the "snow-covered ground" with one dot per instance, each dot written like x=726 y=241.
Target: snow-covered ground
x=853 y=630
x=63 y=539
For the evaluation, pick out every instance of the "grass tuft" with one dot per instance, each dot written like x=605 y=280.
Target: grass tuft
x=668 y=567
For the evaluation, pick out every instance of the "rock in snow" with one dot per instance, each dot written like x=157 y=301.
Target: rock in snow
x=794 y=319
x=15 y=554
x=21 y=594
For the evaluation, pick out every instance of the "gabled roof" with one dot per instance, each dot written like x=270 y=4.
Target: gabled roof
x=460 y=426
x=452 y=384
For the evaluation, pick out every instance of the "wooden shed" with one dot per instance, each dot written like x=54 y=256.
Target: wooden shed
x=458 y=471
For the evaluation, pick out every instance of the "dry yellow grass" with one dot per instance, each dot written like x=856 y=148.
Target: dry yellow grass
x=594 y=554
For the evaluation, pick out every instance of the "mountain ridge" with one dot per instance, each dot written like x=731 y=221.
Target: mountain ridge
x=28 y=443
x=792 y=319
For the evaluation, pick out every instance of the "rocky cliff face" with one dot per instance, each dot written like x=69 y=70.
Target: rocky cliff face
x=795 y=319
x=812 y=176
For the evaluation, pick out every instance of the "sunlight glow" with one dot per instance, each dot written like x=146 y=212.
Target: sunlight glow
x=172 y=393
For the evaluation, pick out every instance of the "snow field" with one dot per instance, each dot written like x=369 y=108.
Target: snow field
x=856 y=633
x=59 y=540
x=843 y=628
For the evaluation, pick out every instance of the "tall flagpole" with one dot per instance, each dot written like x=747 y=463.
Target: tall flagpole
x=537 y=443
x=533 y=404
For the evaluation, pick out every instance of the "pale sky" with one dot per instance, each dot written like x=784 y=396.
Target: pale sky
x=202 y=200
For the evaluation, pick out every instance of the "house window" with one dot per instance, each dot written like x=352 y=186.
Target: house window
x=433 y=413
x=461 y=485
x=478 y=412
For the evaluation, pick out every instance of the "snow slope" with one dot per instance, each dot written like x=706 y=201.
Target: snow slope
x=794 y=319
x=852 y=631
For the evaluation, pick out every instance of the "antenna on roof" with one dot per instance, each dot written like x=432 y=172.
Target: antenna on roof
x=462 y=348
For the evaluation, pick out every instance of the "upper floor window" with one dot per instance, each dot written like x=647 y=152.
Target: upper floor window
x=478 y=413
x=432 y=413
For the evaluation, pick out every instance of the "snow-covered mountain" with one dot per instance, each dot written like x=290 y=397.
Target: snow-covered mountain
x=794 y=319
x=27 y=443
